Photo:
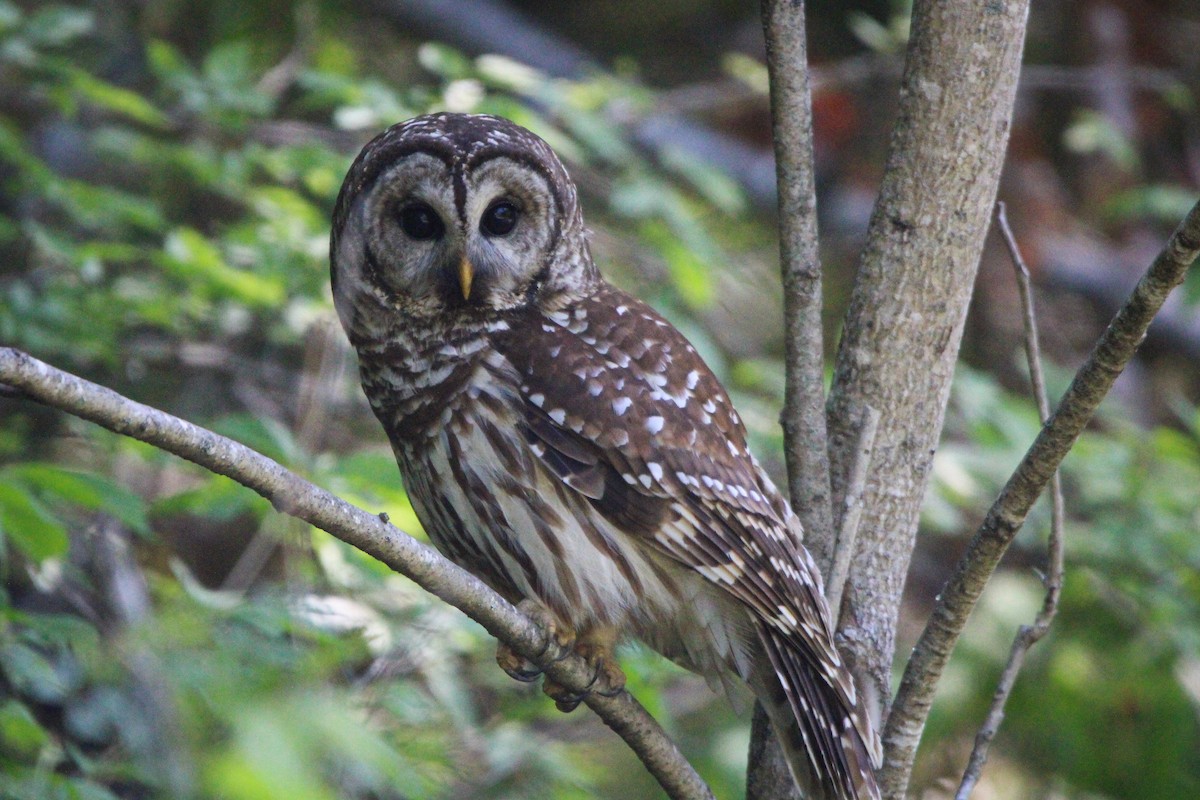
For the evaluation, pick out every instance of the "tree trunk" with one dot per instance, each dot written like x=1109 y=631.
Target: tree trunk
x=904 y=324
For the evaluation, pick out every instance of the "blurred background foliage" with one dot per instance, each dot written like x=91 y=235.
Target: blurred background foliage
x=167 y=173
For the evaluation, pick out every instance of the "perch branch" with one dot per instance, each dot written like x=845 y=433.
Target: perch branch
x=295 y=496
x=1092 y=382
x=1028 y=635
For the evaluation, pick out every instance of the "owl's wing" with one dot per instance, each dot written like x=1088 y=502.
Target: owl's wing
x=622 y=409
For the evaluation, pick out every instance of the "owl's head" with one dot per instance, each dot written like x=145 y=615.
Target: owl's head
x=455 y=214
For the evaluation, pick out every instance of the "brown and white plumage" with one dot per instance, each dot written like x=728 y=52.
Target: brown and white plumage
x=565 y=443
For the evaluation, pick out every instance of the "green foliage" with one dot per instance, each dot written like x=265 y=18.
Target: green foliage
x=1105 y=700
x=182 y=247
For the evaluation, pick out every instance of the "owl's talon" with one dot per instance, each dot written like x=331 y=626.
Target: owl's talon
x=607 y=672
x=559 y=641
x=607 y=678
x=517 y=666
x=564 y=699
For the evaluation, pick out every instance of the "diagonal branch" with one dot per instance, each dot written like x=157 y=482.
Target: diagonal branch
x=958 y=597
x=295 y=496
x=1028 y=635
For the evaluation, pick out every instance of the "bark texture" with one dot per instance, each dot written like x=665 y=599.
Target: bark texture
x=803 y=418
x=904 y=324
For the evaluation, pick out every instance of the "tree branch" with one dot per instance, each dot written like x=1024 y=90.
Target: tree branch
x=958 y=597
x=803 y=418
x=904 y=324
x=297 y=497
x=806 y=446
x=1028 y=635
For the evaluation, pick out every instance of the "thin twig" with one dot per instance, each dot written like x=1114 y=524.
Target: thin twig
x=279 y=78
x=852 y=513
x=1028 y=635
x=296 y=497
x=958 y=597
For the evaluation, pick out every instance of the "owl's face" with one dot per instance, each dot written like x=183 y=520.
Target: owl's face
x=454 y=214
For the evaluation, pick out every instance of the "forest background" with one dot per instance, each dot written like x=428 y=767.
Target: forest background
x=168 y=170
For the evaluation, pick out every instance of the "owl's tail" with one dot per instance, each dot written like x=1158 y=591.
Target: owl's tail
x=830 y=745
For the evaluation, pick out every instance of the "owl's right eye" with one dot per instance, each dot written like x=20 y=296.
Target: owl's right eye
x=420 y=221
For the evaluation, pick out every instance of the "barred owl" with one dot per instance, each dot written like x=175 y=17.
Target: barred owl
x=562 y=441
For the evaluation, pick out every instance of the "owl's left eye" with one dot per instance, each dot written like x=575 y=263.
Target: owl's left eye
x=500 y=218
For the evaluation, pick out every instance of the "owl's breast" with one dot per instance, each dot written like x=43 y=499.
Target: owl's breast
x=417 y=383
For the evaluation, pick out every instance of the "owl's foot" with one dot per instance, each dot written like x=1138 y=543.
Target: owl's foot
x=560 y=638
x=607 y=677
x=517 y=666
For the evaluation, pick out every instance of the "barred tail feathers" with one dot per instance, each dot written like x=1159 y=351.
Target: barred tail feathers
x=822 y=737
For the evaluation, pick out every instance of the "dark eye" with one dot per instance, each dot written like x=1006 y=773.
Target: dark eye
x=499 y=219
x=420 y=221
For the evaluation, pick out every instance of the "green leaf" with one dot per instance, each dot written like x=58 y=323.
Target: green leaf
x=86 y=490
x=29 y=526
x=10 y=16
x=1092 y=133
x=31 y=673
x=218 y=497
x=716 y=187
x=167 y=62
x=690 y=273
x=116 y=99
x=1159 y=202
x=192 y=256
x=267 y=436
x=19 y=731
x=97 y=206
x=873 y=33
x=748 y=70
x=270 y=762
x=444 y=61
x=84 y=789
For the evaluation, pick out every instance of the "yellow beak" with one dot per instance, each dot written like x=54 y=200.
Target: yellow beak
x=466 y=274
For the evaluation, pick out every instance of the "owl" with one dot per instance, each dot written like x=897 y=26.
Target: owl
x=562 y=441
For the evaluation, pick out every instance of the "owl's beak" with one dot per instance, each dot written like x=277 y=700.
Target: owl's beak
x=466 y=274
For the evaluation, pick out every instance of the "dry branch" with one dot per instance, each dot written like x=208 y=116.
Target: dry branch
x=295 y=496
x=1028 y=635
x=958 y=597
